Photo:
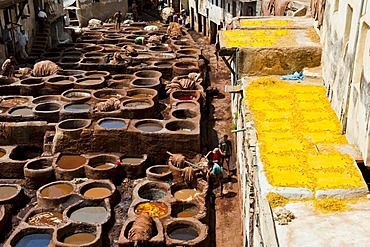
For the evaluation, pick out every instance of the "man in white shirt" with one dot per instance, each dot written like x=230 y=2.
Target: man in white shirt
x=41 y=16
x=22 y=40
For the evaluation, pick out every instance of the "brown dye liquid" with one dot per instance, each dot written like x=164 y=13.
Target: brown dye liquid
x=97 y=193
x=71 y=161
x=186 y=194
x=7 y=191
x=131 y=160
x=46 y=219
x=105 y=166
x=140 y=96
x=57 y=190
x=80 y=238
x=2 y=154
x=13 y=102
x=185 y=213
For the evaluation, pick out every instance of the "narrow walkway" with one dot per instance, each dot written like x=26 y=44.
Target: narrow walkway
x=227 y=231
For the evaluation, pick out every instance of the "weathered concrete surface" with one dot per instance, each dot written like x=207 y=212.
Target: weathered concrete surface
x=277 y=61
x=312 y=228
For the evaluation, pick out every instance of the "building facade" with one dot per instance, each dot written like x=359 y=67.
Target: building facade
x=346 y=67
x=209 y=16
x=21 y=14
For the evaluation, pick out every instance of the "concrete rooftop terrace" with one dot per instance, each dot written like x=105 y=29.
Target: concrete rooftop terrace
x=271 y=46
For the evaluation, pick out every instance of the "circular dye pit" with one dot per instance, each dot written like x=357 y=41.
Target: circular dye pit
x=76 y=95
x=186 y=104
x=56 y=190
x=185 y=97
x=71 y=161
x=140 y=96
x=2 y=153
x=22 y=111
x=112 y=124
x=34 y=240
x=91 y=215
x=180 y=126
x=108 y=96
x=7 y=192
x=149 y=127
x=183 y=232
x=98 y=192
x=129 y=160
x=77 y=108
x=153 y=209
x=134 y=103
x=186 y=194
x=80 y=238
x=186 y=213
x=104 y=166
x=152 y=194
x=46 y=219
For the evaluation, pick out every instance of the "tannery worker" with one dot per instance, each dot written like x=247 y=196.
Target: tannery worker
x=214 y=176
x=140 y=40
x=8 y=67
x=214 y=155
x=226 y=151
x=118 y=17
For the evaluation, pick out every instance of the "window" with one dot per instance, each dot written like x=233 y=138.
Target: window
x=216 y=2
x=234 y=8
x=96 y=1
x=228 y=7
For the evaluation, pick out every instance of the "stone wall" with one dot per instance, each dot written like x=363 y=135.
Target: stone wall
x=99 y=10
x=346 y=65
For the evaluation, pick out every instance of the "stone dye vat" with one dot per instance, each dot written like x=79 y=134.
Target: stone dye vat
x=38 y=172
x=134 y=167
x=143 y=93
x=31 y=86
x=182 y=209
x=61 y=83
x=105 y=94
x=153 y=83
x=111 y=123
x=55 y=193
x=75 y=234
x=186 y=232
x=90 y=82
x=153 y=209
x=44 y=217
x=69 y=166
x=30 y=236
x=76 y=95
x=89 y=212
x=10 y=193
x=157 y=236
x=151 y=190
x=149 y=126
x=48 y=111
x=102 y=166
x=137 y=108
x=98 y=189
x=158 y=172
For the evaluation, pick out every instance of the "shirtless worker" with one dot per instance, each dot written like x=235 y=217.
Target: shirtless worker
x=118 y=17
x=8 y=67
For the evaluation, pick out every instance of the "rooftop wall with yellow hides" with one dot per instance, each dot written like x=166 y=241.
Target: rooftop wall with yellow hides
x=292 y=120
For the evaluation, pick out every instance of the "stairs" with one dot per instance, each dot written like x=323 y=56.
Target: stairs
x=40 y=42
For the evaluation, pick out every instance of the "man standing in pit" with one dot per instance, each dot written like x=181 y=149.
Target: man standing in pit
x=226 y=151
x=22 y=40
x=118 y=17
